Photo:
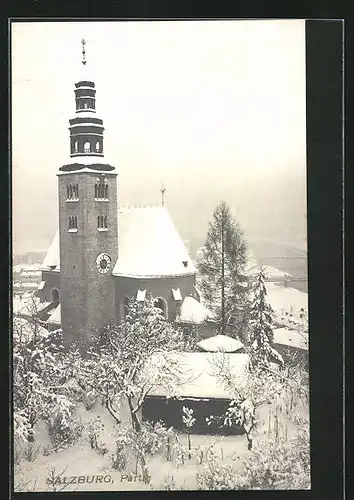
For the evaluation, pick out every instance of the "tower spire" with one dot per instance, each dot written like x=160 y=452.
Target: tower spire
x=83 y=43
x=162 y=191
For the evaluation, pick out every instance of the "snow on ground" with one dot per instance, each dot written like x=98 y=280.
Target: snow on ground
x=81 y=460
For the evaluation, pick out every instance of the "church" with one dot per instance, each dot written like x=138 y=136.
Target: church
x=103 y=254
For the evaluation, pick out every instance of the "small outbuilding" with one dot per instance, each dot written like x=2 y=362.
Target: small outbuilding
x=200 y=389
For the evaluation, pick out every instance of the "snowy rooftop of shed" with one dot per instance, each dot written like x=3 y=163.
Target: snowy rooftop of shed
x=291 y=338
x=286 y=298
x=220 y=343
x=149 y=246
x=200 y=378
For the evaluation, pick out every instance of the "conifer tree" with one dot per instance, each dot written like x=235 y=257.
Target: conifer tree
x=261 y=322
x=221 y=266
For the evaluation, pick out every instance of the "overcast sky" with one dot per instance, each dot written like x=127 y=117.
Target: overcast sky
x=215 y=109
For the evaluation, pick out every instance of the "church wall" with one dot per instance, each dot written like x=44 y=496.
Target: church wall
x=52 y=280
x=158 y=287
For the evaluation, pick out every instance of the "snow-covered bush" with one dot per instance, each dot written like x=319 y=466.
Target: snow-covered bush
x=31 y=451
x=94 y=434
x=168 y=483
x=22 y=425
x=277 y=465
x=120 y=458
x=216 y=476
x=63 y=425
x=89 y=399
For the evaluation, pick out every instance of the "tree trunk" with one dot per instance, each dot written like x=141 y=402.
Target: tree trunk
x=135 y=421
x=111 y=411
x=189 y=445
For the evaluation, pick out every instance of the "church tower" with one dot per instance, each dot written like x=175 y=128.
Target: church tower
x=88 y=225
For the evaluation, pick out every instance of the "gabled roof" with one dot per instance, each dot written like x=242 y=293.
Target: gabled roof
x=193 y=312
x=222 y=343
x=149 y=246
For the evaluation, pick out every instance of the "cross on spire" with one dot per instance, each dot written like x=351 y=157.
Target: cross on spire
x=162 y=191
x=83 y=43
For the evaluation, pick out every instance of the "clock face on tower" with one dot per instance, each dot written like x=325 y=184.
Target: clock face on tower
x=103 y=263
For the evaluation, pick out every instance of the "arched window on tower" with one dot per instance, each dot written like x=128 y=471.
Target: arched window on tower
x=76 y=147
x=55 y=295
x=97 y=146
x=87 y=147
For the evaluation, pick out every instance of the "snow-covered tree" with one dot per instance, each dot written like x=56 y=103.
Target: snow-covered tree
x=189 y=421
x=247 y=390
x=136 y=355
x=221 y=266
x=39 y=376
x=261 y=323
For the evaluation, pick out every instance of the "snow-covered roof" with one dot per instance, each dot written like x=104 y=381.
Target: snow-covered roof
x=149 y=246
x=270 y=271
x=220 y=343
x=29 y=286
x=42 y=305
x=52 y=257
x=193 y=312
x=55 y=316
x=200 y=380
x=291 y=338
x=286 y=298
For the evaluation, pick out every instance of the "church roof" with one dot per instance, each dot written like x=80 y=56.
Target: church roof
x=148 y=242
x=149 y=245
